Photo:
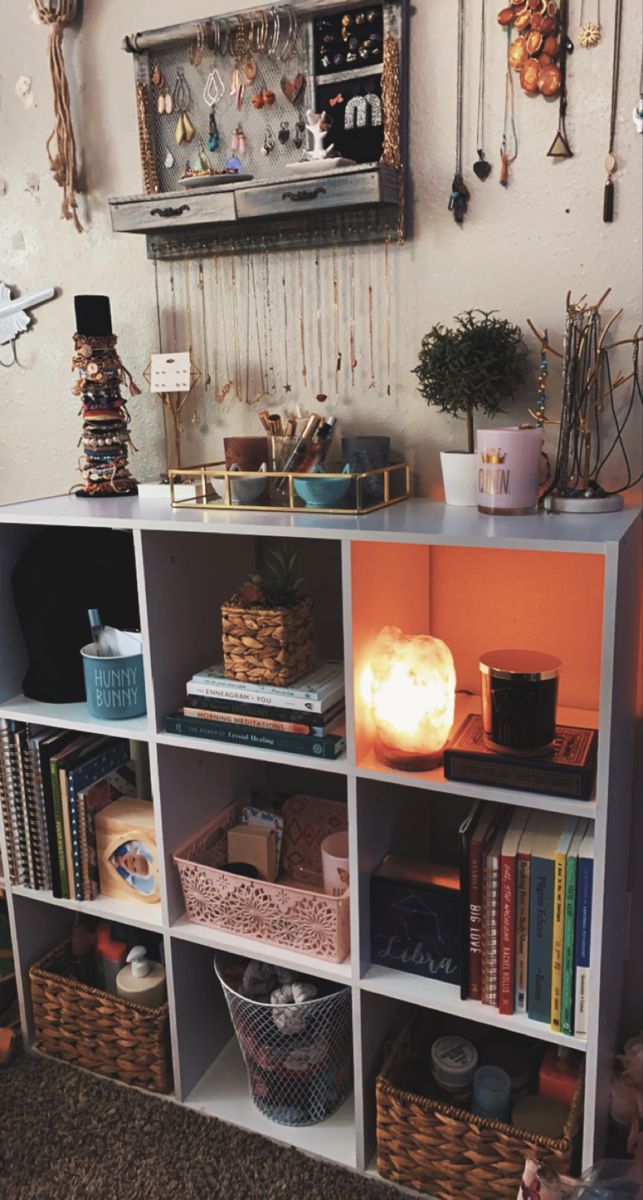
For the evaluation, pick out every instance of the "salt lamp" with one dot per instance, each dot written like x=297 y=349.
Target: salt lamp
x=412 y=698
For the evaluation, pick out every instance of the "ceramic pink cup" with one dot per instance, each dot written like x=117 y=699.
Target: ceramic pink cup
x=508 y=465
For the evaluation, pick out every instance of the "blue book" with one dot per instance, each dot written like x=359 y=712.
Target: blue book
x=543 y=832
x=584 y=884
x=112 y=755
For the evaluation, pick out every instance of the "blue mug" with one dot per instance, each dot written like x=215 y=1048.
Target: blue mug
x=114 y=685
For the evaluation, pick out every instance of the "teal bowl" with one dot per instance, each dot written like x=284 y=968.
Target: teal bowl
x=322 y=492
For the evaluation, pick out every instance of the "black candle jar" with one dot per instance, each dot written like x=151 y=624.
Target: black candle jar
x=519 y=696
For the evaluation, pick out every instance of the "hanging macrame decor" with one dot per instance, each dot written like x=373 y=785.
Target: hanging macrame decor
x=57 y=14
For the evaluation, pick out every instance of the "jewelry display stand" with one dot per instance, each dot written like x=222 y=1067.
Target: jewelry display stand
x=224 y=111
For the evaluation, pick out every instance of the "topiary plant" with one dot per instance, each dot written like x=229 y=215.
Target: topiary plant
x=475 y=367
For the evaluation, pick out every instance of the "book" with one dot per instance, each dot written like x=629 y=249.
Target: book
x=544 y=830
x=235 y=709
x=19 y=750
x=523 y=876
x=507 y=951
x=73 y=756
x=584 y=884
x=330 y=746
x=314 y=692
x=54 y=771
x=567 y=770
x=465 y=834
x=491 y=913
x=49 y=746
x=16 y=823
x=558 y=933
x=104 y=755
x=483 y=829
x=36 y=791
x=205 y=714
x=90 y=801
x=569 y=939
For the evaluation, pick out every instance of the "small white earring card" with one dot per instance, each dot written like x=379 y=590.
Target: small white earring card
x=170 y=372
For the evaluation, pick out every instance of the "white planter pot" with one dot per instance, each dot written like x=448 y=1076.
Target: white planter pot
x=459 y=478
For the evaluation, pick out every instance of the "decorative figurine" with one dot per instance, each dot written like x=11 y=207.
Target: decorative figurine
x=13 y=318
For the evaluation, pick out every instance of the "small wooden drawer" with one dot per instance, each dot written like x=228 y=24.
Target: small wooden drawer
x=138 y=214
x=306 y=195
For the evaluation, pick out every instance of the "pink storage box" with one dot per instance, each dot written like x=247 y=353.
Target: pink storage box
x=295 y=912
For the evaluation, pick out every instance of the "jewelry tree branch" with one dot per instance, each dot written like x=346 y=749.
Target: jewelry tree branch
x=592 y=426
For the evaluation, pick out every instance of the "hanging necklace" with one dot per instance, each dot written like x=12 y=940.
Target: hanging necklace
x=204 y=327
x=371 y=382
x=509 y=144
x=589 y=33
x=388 y=311
x=158 y=303
x=459 y=198
x=270 y=357
x=221 y=307
x=175 y=335
x=610 y=161
x=284 y=294
x=338 y=349
x=481 y=167
x=302 y=320
x=318 y=308
x=560 y=147
x=196 y=416
x=258 y=326
x=352 y=313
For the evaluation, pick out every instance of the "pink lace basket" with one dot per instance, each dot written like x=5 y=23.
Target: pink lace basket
x=294 y=912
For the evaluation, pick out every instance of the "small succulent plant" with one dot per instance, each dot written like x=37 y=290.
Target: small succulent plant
x=278 y=586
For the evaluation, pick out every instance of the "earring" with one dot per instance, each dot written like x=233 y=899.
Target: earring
x=234 y=140
x=375 y=103
x=179 y=135
x=284 y=133
x=160 y=103
x=268 y=142
x=213 y=131
x=268 y=97
x=169 y=103
x=363 y=51
x=338 y=99
x=355 y=109
x=300 y=133
x=360 y=18
x=258 y=100
x=351 y=57
x=168 y=160
x=157 y=76
x=241 y=140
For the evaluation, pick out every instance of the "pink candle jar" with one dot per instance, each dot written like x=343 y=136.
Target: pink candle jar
x=508 y=463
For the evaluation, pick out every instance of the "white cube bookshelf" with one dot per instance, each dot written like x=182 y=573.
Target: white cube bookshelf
x=188 y=562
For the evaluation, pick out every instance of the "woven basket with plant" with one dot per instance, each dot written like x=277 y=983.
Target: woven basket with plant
x=267 y=625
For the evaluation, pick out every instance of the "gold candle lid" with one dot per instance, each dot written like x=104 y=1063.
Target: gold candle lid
x=520 y=664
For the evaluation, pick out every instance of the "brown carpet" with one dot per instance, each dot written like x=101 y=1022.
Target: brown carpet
x=65 y=1135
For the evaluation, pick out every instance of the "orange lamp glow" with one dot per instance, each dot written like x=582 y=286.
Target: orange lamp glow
x=412 y=698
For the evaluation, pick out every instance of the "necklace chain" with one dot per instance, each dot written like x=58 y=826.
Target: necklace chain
x=616 y=71
x=481 y=83
x=459 y=90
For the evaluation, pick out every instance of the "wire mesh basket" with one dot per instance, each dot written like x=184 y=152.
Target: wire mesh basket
x=298 y=1056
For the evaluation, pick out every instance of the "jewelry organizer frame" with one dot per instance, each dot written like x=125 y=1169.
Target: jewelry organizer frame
x=281 y=207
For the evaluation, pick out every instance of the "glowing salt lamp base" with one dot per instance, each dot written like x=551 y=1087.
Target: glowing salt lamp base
x=404 y=760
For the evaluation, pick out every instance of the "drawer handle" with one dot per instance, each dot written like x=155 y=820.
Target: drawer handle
x=304 y=194
x=169 y=211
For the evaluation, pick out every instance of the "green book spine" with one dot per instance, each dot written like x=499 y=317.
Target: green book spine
x=330 y=746
x=567 y=1014
x=60 y=833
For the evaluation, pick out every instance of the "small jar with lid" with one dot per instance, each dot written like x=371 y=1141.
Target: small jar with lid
x=453 y=1064
x=519 y=698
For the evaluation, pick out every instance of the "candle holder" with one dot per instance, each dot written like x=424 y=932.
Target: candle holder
x=412 y=690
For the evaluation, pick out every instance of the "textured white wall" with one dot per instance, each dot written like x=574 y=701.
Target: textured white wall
x=519 y=250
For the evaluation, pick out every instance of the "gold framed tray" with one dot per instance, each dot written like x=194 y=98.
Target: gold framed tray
x=341 y=493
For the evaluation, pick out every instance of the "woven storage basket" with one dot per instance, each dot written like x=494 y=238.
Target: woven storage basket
x=448 y=1152
x=295 y=912
x=268 y=645
x=92 y=1029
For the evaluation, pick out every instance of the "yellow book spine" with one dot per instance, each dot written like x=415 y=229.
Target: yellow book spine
x=560 y=864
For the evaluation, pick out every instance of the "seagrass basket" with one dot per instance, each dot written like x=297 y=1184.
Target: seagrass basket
x=89 y=1028
x=450 y=1153
x=268 y=645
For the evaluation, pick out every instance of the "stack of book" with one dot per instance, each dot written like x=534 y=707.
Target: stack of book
x=527 y=878
x=52 y=784
x=305 y=718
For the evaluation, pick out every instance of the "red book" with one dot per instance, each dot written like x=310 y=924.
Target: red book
x=507 y=960
x=483 y=831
